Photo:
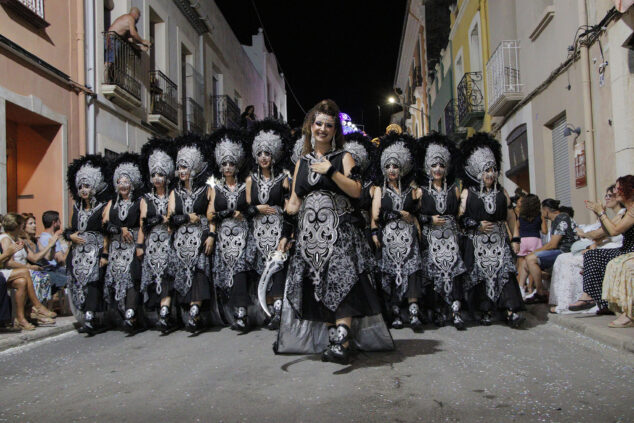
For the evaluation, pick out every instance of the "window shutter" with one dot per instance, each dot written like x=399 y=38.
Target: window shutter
x=561 y=162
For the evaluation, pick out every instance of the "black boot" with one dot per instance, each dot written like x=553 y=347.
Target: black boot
x=336 y=352
x=414 y=319
x=89 y=325
x=485 y=320
x=130 y=320
x=242 y=320
x=163 y=323
x=397 y=323
x=194 y=318
x=514 y=319
x=439 y=318
x=276 y=315
x=457 y=318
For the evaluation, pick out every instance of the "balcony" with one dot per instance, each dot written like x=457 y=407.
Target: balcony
x=193 y=117
x=503 y=78
x=449 y=117
x=30 y=10
x=225 y=112
x=121 y=63
x=163 y=103
x=470 y=100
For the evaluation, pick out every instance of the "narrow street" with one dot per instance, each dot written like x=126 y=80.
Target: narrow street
x=543 y=373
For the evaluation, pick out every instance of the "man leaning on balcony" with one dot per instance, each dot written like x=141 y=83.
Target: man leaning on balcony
x=125 y=26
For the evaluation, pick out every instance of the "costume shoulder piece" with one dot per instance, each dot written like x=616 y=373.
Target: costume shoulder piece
x=297 y=148
x=93 y=171
x=157 y=156
x=194 y=153
x=128 y=165
x=479 y=152
x=434 y=149
x=364 y=153
x=273 y=137
x=230 y=146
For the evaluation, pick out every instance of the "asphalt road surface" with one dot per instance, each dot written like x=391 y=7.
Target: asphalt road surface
x=489 y=374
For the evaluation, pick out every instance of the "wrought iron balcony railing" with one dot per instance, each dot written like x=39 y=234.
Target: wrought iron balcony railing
x=449 y=114
x=163 y=95
x=503 y=78
x=470 y=99
x=31 y=10
x=225 y=112
x=193 y=116
x=121 y=62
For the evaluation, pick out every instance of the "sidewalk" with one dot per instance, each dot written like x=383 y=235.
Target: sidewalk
x=11 y=340
x=590 y=325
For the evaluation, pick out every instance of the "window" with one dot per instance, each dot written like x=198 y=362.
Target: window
x=561 y=161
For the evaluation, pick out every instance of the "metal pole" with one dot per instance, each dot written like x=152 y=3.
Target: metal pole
x=378 y=106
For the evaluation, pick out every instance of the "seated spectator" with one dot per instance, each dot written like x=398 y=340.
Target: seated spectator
x=563 y=233
x=618 y=290
x=528 y=227
x=54 y=261
x=566 y=284
x=13 y=225
x=595 y=261
x=20 y=280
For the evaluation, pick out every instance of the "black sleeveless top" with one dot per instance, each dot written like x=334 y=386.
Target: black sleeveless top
x=431 y=202
x=191 y=202
x=230 y=200
x=492 y=209
x=156 y=206
x=125 y=215
x=270 y=192
x=308 y=181
x=92 y=219
x=392 y=200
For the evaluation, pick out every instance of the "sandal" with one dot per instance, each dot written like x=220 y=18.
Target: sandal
x=23 y=325
x=43 y=311
x=615 y=324
x=585 y=305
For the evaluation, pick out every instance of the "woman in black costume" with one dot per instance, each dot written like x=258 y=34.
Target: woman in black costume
x=438 y=216
x=485 y=209
x=121 y=221
x=328 y=282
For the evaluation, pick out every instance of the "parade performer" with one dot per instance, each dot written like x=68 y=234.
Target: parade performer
x=328 y=283
x=267 y=189
x=229 y=226
x=395 y=229
x=121 y=221
x=85 y=264
x=491 y=282
x=192 y=242
x=154 y=245
x=437 y=217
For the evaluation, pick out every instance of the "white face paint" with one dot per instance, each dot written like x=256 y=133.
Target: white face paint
x=85 y=191
x=264 y=159
x=124 y=187
x=183 y=173
x=158 y=179
x=393 y=171
x=489 y=176
x=228 y=168
x=438 y=170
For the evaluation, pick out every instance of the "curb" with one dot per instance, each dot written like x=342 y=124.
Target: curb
x=23 y=338
x=601 y=333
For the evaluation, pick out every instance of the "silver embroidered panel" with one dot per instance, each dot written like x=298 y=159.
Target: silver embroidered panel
x=359 y=154
x=480 y=160
x=160 y=162
x=85 y=257
x=269 y=142
x=187 y=241
x=120 y=258
x=267 y=230
x=232 y=241
x=188 y=198
x=399 y=154
x=265 y=185
x=440 y=199
x=160 y=203
x=318 y=231
x=83 y=215
x=298 y=147
x=122 y=208
x=398 y=200
x=157 y=250
x=397 y=243
x=489 y=256
x=231 y=197
x=443 y=252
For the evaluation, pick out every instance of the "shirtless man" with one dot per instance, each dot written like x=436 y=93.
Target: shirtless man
x=125 y=26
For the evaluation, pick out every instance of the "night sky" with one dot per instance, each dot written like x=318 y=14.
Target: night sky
x=345 y=50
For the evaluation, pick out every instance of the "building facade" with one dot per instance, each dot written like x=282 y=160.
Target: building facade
x=42 y=102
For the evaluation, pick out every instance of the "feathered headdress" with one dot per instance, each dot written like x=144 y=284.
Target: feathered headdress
x=194 y=153
x=128 y=165
x=436 y=148
x=479 y=152
x=157 y=156
x=398 y=149
x=230 y=145
x=273 y=137
x=91 y=170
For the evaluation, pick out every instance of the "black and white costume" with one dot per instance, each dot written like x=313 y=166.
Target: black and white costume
x=123 y=272
x=269 y=137
x=491 y=282
x=87 y=173
x=441 y=255
x=401 y=264
x=157 y=162
x=230 y=262
x=329 y=271
x=189 y=271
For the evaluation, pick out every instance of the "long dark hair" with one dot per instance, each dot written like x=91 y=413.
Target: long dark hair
x=329 y=108
x=246 y=111
x=554 y=206
x=530 y=207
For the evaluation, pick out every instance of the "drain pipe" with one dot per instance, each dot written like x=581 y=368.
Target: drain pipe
x=587 y=107
x=91 y=81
